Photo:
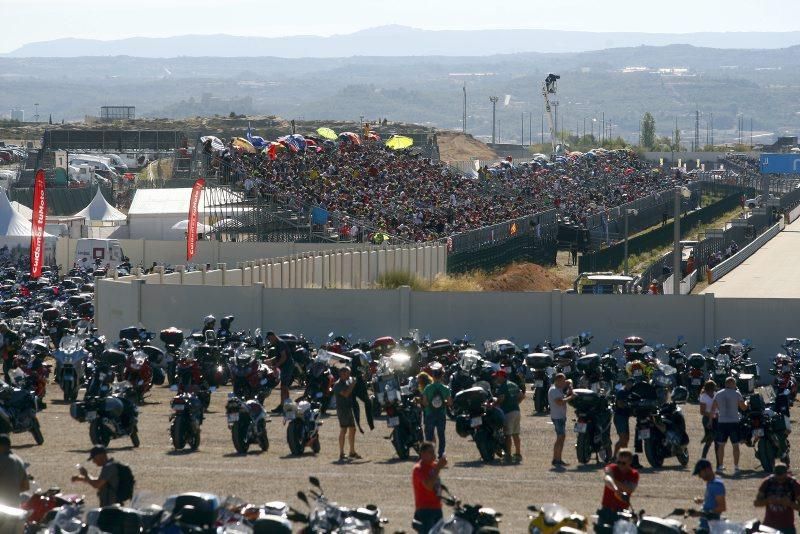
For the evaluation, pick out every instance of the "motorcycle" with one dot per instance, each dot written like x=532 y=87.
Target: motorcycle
x=251 y=379
x=18 y=409
x=172 y=339
x=542 y=366
x=186 y=418
x=43 y=505
x=593 y=425
x=247 y=421
x=110 y=417
x=466 y=518
x=659 y=424
x=483 y=423
x=404 y=417
x=302 y=420
x=70 y=363
x=696 y=375
x=765 y=427
x=327 y=516
x=553 y=518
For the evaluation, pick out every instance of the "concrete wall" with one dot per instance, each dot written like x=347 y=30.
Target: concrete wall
x=525 y=317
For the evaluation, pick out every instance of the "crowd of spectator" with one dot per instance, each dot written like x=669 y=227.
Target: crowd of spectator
x=405 y=195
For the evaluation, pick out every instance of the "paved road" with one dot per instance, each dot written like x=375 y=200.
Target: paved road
x=379 y=478
x=769 y=273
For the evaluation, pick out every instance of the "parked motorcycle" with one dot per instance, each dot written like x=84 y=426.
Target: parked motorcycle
x=765 y=427
x=476 y=419
x=173 y=339
x=139 y=373
x=404 y=417
x=541 y=365
x=466 y=518
x=302 y=420
x=327 y=516
x=553 y=519
x=110 y=417
x=43 y=505
x=70 y=364
x=185 y=420
x=659 y=424
x=247 y=421
x=18 y=409
x=593 y=425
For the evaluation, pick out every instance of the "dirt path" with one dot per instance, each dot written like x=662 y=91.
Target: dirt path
x=379 y=478
x=455 y=146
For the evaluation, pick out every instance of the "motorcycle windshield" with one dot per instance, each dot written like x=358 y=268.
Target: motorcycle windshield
x=554 y=513
x=453 y=525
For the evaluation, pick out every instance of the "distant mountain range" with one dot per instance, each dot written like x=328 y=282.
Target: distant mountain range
x=396 y=41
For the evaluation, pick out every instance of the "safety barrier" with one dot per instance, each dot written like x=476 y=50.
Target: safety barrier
x=790 y=216
x=734 y=261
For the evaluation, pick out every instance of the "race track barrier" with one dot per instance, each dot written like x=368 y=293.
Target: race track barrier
x=745 y=252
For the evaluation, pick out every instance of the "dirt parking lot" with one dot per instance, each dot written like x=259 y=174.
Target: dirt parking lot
x=380 y=477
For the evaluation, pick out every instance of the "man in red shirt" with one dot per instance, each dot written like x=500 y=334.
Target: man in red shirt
x=780 y=494
x=621 y=480
x=425 y=481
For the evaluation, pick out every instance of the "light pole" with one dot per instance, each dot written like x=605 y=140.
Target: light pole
x=680 y=192
x=625 y=264
x=493 y=100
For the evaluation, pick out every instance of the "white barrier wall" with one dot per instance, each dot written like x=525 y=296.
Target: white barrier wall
x=528 y=317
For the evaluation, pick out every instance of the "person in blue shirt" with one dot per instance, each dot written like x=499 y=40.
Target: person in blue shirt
x=714 y=499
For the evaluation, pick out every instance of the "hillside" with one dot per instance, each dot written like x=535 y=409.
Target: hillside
x=454 y=146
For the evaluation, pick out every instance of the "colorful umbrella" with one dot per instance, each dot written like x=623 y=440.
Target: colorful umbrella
x=244 y=144
x=399 y=142
x=326 y=133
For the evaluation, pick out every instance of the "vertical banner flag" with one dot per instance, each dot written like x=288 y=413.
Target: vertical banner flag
x=37 y=225
x=191 y=230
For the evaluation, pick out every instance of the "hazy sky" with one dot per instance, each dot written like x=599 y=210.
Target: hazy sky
x=26 y=21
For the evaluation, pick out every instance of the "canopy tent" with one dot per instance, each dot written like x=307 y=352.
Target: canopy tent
x=22 y=209
x=100 y=211
x=184 y=225
x=12 y=224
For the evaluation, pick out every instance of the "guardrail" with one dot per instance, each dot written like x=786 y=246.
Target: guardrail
x=745 y=252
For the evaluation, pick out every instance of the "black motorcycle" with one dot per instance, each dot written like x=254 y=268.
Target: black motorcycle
x=247 y=421
x=186 y=418
x=483 y=423
x=593 y=425
x=660 y=425
x=404 y=417
x=764 y=426
x=327 y=516
x=18 y=409
x=541 y=365
x=110 y=417
x=465 y=518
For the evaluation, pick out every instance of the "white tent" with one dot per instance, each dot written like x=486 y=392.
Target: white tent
x=12 y=224
x=100 y=211
x=22 y=209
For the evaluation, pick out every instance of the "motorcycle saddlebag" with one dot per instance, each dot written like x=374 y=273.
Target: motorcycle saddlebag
x=587 y=400
x=539 y=360
x=130 y=332
x=591 y=361
x=697 y=361
x=154 y=354
x=756 y=402
x=272 y=525
x=171 y=336
x=751 y=368
x=112 y=357
x=472 y=397
x=779 y=423
x=50 y=314
x=78 y=411
x=746 y=383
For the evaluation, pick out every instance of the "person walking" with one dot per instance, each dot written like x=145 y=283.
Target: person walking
x=622 y=416
x=107 y=482
x=709 y=417
x=436 y=398
x=558 y=395
x=727 y=403
x=284 y=362
x=621 y=480
x=13 y=476
x=714 y=499
x=427 y=487
x=509 y=396
x=779 y=493
x=343 y=391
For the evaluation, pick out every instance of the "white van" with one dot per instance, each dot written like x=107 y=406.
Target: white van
x=88 y=251
x=102 y=165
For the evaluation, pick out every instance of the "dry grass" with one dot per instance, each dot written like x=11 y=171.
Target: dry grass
x=514 y=277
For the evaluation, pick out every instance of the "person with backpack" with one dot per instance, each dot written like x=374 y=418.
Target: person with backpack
x=115 y=482
x=779 y=493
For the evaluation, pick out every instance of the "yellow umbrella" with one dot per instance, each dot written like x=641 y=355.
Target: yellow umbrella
x=244 y=144
x=327 y=133
x=399 y=142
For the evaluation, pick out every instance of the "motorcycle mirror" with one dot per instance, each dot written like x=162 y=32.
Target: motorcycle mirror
x=302 y=497
x=314 y=482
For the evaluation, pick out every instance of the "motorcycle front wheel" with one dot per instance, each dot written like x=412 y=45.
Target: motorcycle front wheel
x=239 y=435
x=399 y=441
x=654 y=453
x=36 y=432
x=294 y=436
x=98 y=433
x=263 y=439
x=765 y=451
x=583 y=448
x=484 y=443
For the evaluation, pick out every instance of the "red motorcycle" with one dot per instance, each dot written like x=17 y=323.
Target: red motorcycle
x=189 y=379
x=139 y=373
x=31 y=373
x=251 y=378
x=42 y=502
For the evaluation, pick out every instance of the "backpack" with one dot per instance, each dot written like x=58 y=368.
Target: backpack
x=125 y=484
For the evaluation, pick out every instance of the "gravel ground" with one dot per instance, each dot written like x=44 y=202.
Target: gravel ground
x=380 y=477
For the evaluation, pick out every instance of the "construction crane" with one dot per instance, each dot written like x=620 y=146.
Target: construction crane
x=549 y=88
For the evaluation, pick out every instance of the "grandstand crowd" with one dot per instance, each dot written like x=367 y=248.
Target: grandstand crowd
x=405 y=195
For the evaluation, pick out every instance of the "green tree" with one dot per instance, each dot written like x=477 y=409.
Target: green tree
x=648 y=131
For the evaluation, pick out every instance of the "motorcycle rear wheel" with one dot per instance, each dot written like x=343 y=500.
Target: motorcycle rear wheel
x=399 y=441
x=194 y=440
x=98 y=434
x=583 y=448
x=135 y=437
x=239 y=435
x=178 y=433
x=263 y=439
x=765 y=451
x=294 y=436
x=683 y=457
x=484 y=443
x=36 y=432
x=654 y=453
x=315 y=445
